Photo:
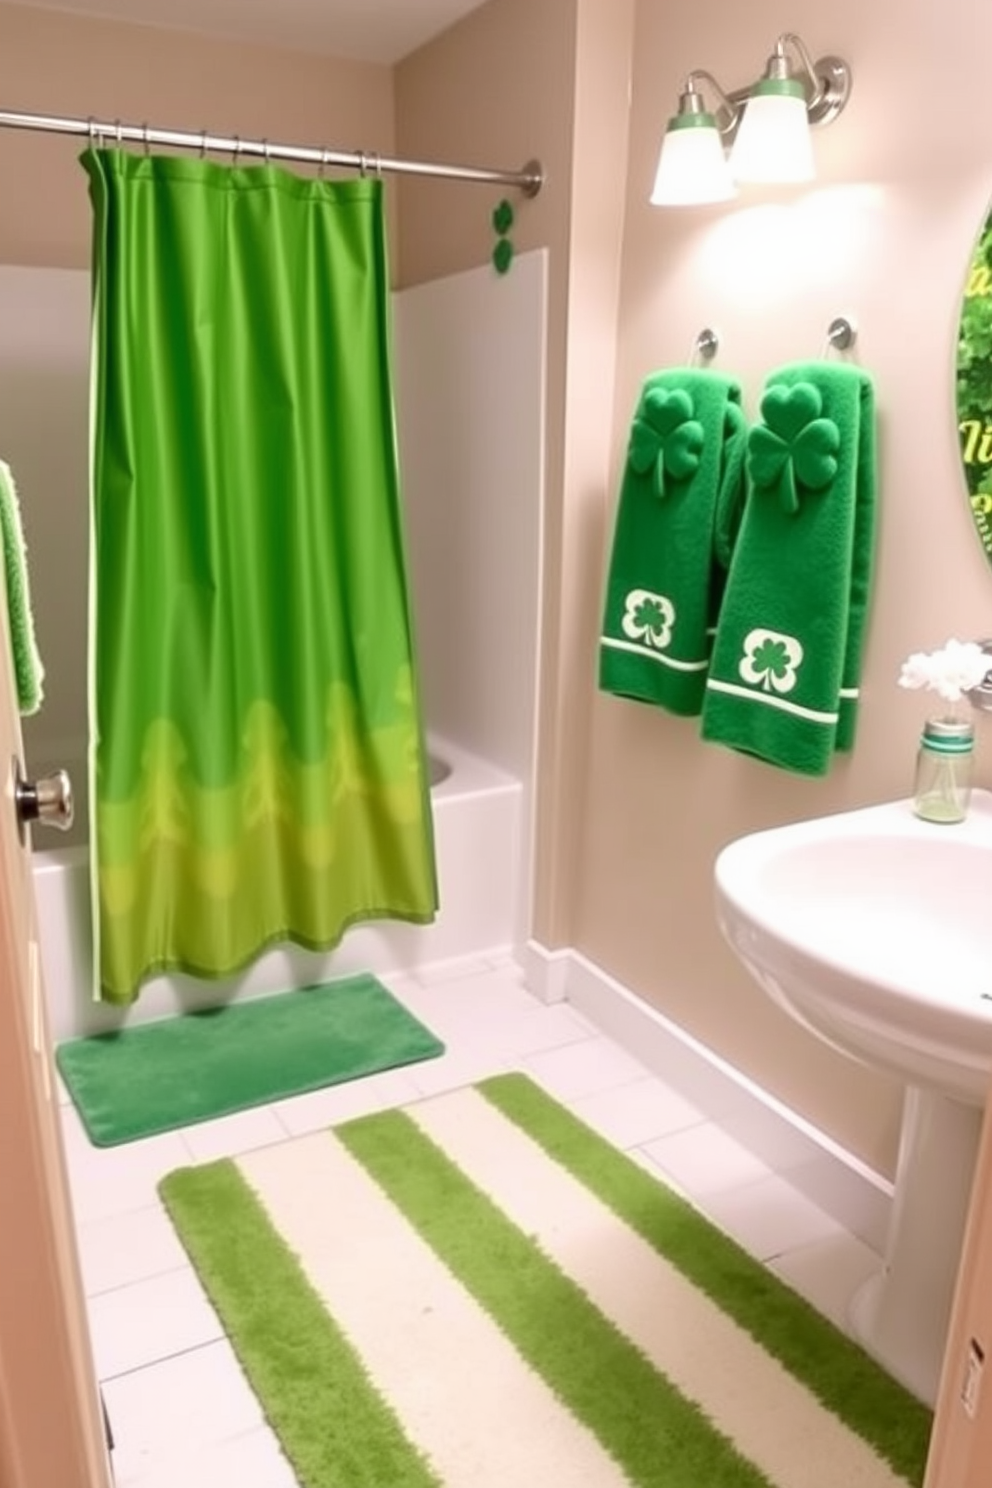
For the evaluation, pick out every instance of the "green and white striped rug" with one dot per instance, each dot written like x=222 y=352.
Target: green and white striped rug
x=480 y=1292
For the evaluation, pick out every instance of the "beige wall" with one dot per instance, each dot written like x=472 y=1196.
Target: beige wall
x=495 y=90
x=885 y=237
x=515 y=80
x=52 y=63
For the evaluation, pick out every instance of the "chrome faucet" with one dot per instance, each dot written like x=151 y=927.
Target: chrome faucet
x=980 y=697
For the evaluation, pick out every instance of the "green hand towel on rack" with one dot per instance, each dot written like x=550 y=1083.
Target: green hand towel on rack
x=28 y=670
x=783 y=684
x=679 y=503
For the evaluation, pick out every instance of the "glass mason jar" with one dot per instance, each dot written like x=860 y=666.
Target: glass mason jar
x=943 y=770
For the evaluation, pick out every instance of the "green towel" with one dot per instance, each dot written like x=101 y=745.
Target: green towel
x=680 y=500
x=783 y=684
x=28 y=670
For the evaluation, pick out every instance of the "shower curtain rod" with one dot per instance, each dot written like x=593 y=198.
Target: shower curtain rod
x=369 y=162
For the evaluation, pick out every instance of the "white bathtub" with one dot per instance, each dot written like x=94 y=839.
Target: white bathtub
x=477 y=829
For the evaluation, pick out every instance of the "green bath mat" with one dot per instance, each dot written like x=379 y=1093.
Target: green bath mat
x=172 y=1073
x=479 y=1289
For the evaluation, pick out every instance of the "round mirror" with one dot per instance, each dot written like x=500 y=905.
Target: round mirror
x=974 y=384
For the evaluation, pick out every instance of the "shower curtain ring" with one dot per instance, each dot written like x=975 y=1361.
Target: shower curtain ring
x=118 y=133
x=203 y=144
x=144 y=135
x=265 y=150
x=322 y=167
x=91 y=124
x=376 y=164
x=362 y=164
x=236 y=151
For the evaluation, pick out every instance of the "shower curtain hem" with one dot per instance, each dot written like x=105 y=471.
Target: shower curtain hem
x=280 y=937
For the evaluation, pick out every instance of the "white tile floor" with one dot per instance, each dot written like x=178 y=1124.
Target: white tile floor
x=180 y=1408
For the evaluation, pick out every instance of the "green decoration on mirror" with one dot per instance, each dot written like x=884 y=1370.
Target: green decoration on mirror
x=974 y=385
x=257 y=763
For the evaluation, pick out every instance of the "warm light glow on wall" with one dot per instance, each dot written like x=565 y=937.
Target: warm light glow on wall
x=763 y=256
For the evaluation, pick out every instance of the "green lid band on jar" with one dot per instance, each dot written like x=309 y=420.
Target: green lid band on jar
x=936 y=745
x=948 y=730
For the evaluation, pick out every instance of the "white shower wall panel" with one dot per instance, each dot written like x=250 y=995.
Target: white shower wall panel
x=470 y=373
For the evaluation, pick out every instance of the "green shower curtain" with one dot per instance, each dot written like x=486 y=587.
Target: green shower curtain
x=257 y=768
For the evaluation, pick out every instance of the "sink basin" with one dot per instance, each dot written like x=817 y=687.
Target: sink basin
x=873 y=930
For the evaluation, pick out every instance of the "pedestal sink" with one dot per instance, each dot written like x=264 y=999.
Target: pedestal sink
x=874 y=930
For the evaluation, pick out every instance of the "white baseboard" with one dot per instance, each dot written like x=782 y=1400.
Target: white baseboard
x=833 y=1178
x=546 y=972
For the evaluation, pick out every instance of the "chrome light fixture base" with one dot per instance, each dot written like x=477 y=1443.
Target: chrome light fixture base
x=833 y=77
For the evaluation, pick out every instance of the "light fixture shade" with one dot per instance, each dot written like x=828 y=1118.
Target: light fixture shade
x=692 y=166
x=773 y=143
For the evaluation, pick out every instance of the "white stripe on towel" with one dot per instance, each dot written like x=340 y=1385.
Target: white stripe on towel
x=770 y=1416
x=772 y=701
x=649 y=655
x=451 y=1376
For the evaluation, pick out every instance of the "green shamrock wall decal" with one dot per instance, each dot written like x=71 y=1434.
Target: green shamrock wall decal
x=665 y=436
x=502 y=217
x=794 y=446
x=503 y=255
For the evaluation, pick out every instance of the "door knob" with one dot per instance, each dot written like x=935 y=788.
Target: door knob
x=47 y=800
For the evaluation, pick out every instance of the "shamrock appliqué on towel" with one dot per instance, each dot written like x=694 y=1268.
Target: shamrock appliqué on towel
x=794 y=446
x=665 y=437
x=648 y=618
x=771 y=660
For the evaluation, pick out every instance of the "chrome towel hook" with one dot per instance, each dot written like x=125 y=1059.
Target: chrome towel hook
x=705 y=346
x=842 y=332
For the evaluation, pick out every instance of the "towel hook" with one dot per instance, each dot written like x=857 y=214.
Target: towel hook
x=705 y=346
x=842 y=332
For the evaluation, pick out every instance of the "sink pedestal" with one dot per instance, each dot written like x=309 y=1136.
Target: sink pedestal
x=901 y=1314
x=871 y=928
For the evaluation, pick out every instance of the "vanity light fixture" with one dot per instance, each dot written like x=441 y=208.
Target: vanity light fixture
x=766 y=127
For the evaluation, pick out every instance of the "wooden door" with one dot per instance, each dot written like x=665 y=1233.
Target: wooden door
x=51 y=1429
